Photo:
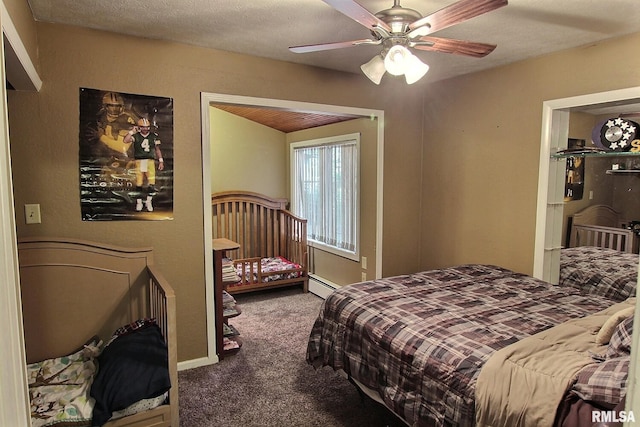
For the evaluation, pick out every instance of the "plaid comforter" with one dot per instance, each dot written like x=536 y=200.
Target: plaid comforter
x=420 y=340
x=600 y=271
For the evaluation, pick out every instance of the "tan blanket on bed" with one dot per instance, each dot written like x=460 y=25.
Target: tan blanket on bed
x=523 y=384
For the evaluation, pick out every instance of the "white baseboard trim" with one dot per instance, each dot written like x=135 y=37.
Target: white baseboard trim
x=321 y=286
x=196 y=363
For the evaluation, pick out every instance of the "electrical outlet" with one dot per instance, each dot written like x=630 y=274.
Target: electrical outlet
x=32 y=214
x=364 y=276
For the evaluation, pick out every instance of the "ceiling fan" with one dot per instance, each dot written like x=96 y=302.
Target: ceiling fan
x=399 y=28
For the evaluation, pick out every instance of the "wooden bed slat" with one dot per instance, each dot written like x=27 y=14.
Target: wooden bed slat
x=601 y=226
x=619 y=239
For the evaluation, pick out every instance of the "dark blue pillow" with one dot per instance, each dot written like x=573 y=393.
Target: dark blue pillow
x=131 y=368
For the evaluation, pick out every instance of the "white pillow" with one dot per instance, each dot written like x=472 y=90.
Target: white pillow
x=604 y=335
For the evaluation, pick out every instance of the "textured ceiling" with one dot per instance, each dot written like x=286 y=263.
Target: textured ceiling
x=266 y=28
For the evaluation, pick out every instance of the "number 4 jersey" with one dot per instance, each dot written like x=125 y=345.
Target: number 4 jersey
x=144 y=147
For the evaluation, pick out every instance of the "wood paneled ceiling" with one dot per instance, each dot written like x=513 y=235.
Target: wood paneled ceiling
x=284 y=120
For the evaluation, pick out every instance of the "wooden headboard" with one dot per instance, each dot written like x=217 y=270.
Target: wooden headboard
x=602 y=226
x=602 y=215
x=72 y=290
x=261 y=225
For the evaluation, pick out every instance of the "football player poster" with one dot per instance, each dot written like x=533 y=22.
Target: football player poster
x=126 y=156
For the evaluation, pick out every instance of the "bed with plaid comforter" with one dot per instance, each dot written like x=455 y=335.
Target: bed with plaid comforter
x=599 y=271
x=420 y=340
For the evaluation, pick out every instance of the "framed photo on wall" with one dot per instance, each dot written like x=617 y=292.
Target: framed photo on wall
x=126 y=156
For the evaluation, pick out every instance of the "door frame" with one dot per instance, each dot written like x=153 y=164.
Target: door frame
x=21 y=72
x=207 y=99
x=555 y=131
x=549 y=215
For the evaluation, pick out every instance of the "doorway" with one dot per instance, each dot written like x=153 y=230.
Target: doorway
x=555 y=132
x=209 y=99
x=549 y=215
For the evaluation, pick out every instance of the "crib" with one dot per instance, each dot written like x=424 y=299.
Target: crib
x=74 y=291
x=273 y=241
x=601 y=226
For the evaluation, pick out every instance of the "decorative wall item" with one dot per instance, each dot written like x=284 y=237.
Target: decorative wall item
x=126 y=156
x=615 y=134
x=574 y=176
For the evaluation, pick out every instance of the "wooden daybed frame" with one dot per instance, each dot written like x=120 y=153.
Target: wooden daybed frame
x=75 y=289
x=263 y=227
x=601 y=226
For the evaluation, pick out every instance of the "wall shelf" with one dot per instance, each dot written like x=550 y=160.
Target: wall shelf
x=622 y=171
x=603 y=154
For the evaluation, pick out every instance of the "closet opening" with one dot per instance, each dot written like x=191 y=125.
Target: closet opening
x=277 y=109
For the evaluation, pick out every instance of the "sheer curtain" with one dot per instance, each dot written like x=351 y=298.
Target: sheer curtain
x=325 y=192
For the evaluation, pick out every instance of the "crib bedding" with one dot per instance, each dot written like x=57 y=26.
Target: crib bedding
x=421 y=340
x=599 y=271
x=271 y=268
x=131 y=368
x=93 y=385
x=59 y=389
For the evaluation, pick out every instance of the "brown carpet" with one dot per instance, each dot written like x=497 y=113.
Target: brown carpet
x=268 y=382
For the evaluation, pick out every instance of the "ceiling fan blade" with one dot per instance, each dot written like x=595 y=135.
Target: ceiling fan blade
x=358 y=13
x=459 y=47
x=456 y=13
x=330 y=46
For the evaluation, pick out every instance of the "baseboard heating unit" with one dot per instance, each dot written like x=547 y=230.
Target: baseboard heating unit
x=321 y=286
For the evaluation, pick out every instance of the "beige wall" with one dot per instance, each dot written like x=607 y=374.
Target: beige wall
x=482 y=147
x=44 y=146
x=247 y=156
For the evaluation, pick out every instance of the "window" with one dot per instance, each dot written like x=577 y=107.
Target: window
x=325 y=190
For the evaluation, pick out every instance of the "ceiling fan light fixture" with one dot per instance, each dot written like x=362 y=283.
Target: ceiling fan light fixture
x=396 y=60
x=416 y=69
x=399 y=28
x=374 y=69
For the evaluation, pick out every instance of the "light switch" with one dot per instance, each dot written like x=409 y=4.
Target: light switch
x=364 y=262
x=32 y=214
